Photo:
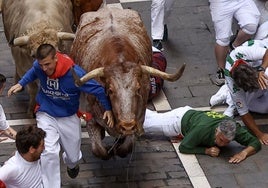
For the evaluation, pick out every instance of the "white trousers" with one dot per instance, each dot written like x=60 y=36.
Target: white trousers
x=160 y=10
x=62 y=132
x=223 y=12
x=262 y=31
x=167 y=123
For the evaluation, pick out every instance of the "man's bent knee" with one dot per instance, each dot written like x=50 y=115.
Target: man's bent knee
x=223 y=42
x=250 y=29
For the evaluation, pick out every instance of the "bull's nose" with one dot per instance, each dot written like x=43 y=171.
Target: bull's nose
x=127 y=127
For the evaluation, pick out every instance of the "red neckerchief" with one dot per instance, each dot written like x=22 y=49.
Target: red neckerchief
x=64 y=63
x=237 y=63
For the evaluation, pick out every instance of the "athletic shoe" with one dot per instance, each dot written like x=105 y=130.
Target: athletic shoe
x=230 y=111
x=73 y=172
x=165 y=36
x=220 y=97
x=158 y=44
x=220 y=79
x=229 y=99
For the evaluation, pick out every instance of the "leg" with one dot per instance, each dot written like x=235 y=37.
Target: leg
x=221 y=54
x=95 y=132
x=168 y=7
x=248 y=17
x=222 y=14
x=50 y=162
x=157 y=19
x=168 y=123
x=69 y=127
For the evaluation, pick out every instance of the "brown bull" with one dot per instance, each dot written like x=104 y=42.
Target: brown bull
x=113 y=46
x=82 y=6
x=27 y=24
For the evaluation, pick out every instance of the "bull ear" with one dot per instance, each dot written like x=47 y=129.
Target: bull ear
x=170 y=77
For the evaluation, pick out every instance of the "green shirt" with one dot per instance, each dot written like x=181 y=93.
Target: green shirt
x=199 y=127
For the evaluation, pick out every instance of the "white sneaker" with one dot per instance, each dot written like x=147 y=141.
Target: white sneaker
x=230 y=111
x=220 y=97
x=229 y=99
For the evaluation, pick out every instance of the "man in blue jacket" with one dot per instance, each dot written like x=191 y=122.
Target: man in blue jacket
x=57 y=105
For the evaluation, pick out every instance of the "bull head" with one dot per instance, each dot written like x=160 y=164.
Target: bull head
x=145 y=69
x=128 y=90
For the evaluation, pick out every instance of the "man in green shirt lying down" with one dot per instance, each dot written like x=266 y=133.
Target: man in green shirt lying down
x=204 y=132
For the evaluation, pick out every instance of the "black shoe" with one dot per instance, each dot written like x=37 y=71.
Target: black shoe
x=73 y=172
x=165 y=36
x=157 y=44
x=220 y=78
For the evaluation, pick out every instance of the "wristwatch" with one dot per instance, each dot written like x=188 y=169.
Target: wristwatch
x=260 y=68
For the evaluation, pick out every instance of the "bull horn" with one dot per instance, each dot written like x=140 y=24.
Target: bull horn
x=65 y=36
x=164 y=75
x=92 y=74
x=20 y=41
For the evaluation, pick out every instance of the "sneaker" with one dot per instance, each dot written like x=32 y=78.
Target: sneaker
x=229 y=99
x=73 y=172
x=220 y=97
x=158 y=44
x=165 y=36
x=220 y=79
x=230 y=111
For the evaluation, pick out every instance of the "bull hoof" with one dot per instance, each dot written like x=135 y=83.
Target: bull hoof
x=126 y=147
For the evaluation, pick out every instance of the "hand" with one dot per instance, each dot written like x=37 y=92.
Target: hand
x=237 y=158
x=264 y=138
x=14 y=89
x=110 y=120
x=213 y=151
x=9 y=133
x=2 y=138
x=262 y=80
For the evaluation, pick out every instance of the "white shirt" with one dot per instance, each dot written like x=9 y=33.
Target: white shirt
x=252 y=52
x=19 y=173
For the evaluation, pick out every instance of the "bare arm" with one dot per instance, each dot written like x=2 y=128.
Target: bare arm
x=237 y=158
x=14 y=89
x=8 y=133
x=251 y=124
